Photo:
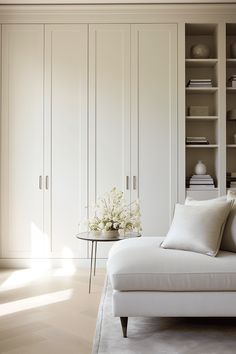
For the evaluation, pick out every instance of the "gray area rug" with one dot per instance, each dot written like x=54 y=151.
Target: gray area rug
x=162 y=335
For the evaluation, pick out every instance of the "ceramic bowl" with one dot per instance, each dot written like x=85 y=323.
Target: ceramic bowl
x=200 y=51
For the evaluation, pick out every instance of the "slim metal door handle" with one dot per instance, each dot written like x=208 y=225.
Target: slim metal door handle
x=40 y=182
x=127 y=182
x=47 y=182
x=134 y=183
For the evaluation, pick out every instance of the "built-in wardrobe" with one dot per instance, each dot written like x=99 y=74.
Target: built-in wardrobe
x=91 y=98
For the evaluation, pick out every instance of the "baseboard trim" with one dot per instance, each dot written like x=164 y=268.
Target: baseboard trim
x=49 y=263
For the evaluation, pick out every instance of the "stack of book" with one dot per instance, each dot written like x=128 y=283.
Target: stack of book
x=196 y=140
x=232 y=79
x=199 y=83
x=199 y=182
x=231 y=179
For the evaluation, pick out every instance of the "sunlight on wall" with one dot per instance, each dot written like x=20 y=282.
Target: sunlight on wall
x=40 y=248
x=34 y=302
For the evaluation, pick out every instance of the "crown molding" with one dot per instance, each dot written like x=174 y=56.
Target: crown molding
x=103 y=2
x=117 y=13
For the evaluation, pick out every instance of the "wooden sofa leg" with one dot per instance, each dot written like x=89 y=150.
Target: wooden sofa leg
x=124 y=324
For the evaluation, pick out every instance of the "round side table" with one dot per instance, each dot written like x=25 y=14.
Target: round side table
x=94 y=239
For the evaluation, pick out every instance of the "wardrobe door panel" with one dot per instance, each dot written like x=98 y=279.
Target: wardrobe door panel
x=66 y=137
x=22 y=141
x=154 y=124
x=109 y=94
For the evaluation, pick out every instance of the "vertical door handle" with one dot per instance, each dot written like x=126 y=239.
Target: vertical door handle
x=127 y=182
x=47 y=182
x=40 y=182
x=134 y=183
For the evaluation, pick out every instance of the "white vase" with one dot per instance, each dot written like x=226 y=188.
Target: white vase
x=111 y=233
x=200 y=168
x=200 y=51
x=233 y=50
x=95 y=233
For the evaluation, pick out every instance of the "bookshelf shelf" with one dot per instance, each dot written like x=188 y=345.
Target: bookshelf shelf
x=202 y=118
x=201 y=90
x=201 y=190
x=207 y=146
x=231 y=146
x=200 y=63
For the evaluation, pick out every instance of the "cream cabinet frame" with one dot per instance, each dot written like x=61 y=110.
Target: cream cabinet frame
x=43 y=140
x=131 y=18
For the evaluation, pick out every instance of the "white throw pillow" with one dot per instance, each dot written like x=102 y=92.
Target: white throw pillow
x=191 y=201
x=229 y=235
x=198 y=228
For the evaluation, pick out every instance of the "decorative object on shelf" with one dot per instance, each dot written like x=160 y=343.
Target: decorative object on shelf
x=232 y=80
x=200 y=51
x=200 y=181
x=200 y=83
x=231 y=114
x=233 y=50
x=196 y=140
x=198 y=110
x=200 y=168
x=231 y=179
x=112 y=215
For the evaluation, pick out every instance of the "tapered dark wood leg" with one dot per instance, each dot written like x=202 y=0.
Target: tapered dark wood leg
x=124 y=325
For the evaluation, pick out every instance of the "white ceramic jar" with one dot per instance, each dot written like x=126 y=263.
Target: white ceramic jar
x=200 y=168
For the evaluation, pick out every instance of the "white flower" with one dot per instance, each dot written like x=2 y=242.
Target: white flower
x=101 y=225
x=112 y=213
x=108 y=226
x=116 y=225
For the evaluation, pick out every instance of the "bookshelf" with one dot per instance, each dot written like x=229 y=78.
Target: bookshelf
x=230 y=99
x=198 y=125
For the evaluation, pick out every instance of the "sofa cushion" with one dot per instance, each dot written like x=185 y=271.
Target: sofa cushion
x=229 y=236
x=198 y=228
x=140 y=264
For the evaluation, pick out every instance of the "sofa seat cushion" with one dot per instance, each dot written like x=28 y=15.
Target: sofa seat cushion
x=140 y=264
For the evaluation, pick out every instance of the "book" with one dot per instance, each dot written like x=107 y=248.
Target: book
x=202 y=187
x=199 y=83
x=196 y=138
x=201 y=176
x=201 y=183
x=197 y=142
x=201 y=80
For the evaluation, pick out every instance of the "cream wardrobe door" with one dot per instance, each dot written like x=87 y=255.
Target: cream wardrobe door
x=109 y=111
x=22 y=142
x=65 y=137
x=154 y=124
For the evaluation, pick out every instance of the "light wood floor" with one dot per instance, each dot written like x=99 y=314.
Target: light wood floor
x=48 y=312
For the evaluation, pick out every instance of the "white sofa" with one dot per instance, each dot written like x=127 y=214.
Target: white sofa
x=148 y=280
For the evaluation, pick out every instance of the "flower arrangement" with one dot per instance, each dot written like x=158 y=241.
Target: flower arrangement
x=112 y=213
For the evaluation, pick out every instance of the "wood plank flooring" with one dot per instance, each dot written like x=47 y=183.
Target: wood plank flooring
x=48 y=312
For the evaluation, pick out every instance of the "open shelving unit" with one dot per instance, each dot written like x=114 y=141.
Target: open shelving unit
x=198 y=125
x=218 y=126
x=230 y=99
